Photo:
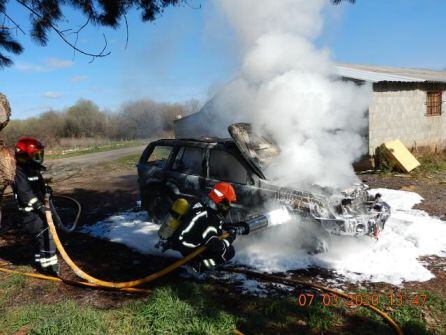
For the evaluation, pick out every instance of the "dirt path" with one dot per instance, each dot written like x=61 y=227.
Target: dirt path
x=95 y=158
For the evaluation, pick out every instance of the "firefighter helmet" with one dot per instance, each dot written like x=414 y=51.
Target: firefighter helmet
x=223 y=192
x=29 y=149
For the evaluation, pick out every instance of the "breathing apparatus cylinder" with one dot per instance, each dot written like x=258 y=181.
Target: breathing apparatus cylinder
x=173 y=219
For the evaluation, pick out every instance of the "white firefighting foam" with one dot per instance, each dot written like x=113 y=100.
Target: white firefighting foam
x=408 y=234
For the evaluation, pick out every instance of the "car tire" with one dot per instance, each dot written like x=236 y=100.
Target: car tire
x=157 y=202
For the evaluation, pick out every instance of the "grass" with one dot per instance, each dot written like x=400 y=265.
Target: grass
x=431 y=164
x=169 y=310
x=77 y=151
x=190 y=308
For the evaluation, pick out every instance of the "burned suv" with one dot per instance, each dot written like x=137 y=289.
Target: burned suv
x=189 y=168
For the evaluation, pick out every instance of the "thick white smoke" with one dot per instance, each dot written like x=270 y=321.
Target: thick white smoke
x=288 y=88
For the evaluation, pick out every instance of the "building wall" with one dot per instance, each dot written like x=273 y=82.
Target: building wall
x=401 y=114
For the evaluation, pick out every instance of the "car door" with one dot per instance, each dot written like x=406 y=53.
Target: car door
x=187 y=171
x=152 y=164
x=224 y=165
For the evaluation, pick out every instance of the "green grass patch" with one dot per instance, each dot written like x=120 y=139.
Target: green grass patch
x=10 y=285
x=431 y=164
x=183 y=310
x=169 y=310
x=64 y=153
x=190 y=308
x=60 y=318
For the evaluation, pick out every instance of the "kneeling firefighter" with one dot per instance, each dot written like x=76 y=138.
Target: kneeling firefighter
x=29 y=189
x=189 y=226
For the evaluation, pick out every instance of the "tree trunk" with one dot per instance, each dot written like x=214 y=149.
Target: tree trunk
x=7 y=160
x=5 y=111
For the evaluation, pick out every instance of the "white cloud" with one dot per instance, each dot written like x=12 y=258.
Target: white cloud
x=55 y=63
x=49 y=64
x=52 y=95
x=25 y=67
x=77 y=79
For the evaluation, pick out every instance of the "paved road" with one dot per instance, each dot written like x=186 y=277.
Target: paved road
x=95 y=158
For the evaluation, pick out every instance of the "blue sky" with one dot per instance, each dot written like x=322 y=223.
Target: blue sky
x=189 y=51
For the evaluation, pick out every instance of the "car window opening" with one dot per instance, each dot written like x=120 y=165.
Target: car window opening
x=189 y=160
x=224 y=166
x=160 y=155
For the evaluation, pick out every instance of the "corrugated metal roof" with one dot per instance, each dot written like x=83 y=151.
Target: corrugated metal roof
x=382 y=73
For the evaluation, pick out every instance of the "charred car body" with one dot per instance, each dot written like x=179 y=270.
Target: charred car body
x=190 y=168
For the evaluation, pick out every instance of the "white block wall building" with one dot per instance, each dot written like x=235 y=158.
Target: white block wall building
x=407 y=104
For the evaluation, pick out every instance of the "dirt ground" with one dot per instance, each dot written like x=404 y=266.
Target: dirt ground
x=106 y=189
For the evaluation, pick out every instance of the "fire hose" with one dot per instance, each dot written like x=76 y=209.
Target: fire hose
x=129 y=286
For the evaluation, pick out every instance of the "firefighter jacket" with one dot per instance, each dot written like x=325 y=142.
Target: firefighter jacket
x=29 y=186
x=202 y=225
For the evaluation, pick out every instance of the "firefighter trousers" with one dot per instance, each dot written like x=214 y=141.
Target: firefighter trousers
x=218 y=252
x=45 y=251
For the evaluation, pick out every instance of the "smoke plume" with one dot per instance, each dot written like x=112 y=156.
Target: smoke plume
x=288 y=88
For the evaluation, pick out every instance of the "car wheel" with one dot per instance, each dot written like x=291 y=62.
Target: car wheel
x=157 y=203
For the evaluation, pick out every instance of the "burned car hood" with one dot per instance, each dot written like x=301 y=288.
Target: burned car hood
x=351 y=212
x=257 y=150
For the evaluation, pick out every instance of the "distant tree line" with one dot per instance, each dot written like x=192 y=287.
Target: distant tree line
x=134 y=120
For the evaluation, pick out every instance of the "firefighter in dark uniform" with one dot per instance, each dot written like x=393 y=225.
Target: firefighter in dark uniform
x=203 y=224
x=29 y=189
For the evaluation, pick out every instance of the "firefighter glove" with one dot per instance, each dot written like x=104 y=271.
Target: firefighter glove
x=39 y=207
x=49 y=190
x=241 y=228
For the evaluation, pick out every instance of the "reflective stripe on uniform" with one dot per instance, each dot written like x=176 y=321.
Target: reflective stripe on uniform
x=210 y=238
x=192 y=222
x=32 y=202
x=209 y=262
x=26 y=209
x=224 y=253
x=189 y=245
x=33 y=178
x=45 y=262
x=197 y=205
x=226 y=242
x=217 y=192
x=209 y=230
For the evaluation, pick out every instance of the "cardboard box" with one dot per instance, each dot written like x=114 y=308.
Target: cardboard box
x=395 y=152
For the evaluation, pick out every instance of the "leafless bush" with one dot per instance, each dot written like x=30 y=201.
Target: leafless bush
x=84 y=124
x=83 y=142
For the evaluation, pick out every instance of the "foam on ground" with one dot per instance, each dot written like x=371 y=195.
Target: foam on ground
x=409 y=233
